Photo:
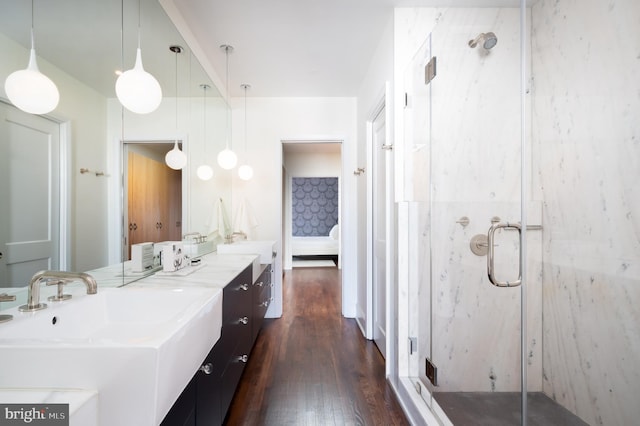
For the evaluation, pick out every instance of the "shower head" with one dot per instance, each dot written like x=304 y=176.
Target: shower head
x=489 y=40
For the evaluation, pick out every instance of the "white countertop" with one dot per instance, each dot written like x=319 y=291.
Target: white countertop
x=214 y=270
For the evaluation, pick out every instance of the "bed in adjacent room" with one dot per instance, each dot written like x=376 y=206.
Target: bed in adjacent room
x=317 y=246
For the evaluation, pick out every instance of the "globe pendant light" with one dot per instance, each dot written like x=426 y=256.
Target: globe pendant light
x=29 y=89
x=137 y=90
x=227 y=159
x=204 y=172
x=175 y=158
x=245 y=172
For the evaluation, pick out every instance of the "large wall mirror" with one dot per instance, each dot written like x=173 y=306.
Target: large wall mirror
x=64 y=177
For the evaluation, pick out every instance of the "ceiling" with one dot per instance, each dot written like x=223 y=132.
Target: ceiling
x=282 y=48
x=83 y=38
x=293 y=48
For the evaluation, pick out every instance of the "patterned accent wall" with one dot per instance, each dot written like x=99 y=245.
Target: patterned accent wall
x=314 y=206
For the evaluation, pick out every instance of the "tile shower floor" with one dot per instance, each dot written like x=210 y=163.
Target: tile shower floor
x=503 y=408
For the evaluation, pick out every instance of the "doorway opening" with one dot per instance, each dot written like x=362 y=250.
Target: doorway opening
x=312 y=199
x=153 y=195
x=311 y=203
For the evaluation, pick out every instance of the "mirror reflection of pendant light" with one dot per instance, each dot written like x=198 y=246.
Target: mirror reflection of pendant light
x=245 y=172
x=227 y=159
x=29 y=89
x=204 y=172
x=175 y=158
x=137 y=90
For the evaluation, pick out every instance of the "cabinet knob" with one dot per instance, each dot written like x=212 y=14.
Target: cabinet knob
x=260 y=284
x=244 y=287
x=206 y=368
x=243 y=358
x=244 y=320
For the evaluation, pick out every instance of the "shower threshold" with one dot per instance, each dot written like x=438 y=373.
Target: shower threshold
x=503 y=408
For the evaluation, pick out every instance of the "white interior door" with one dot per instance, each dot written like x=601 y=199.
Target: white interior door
x=379 y=195
x=30 y=194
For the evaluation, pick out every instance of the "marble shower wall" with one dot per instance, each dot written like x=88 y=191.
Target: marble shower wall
x=586 y=156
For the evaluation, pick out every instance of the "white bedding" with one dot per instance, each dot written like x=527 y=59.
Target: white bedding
x=314 y=246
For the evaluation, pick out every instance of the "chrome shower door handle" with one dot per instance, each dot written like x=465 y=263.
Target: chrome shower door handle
x=491 y=255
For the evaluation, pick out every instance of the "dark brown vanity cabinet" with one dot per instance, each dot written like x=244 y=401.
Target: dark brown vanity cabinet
x=230 y=353
x=209 y=394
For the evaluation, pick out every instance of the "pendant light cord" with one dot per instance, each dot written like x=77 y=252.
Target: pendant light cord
x=204 y=120
x=176 y=94
x=139 y=13
x=246 y=86
x=226 y=49
x=33 y=43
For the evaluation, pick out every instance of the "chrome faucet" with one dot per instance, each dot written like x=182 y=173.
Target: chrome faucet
x=230 y=238
x=196 y=237
x=58 y=278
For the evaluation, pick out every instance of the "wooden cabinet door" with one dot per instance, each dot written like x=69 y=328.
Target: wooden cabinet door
x=137 y=167
x=154 y=196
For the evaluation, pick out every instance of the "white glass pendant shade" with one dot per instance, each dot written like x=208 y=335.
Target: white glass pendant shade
x=245 y=172
x=137 y=90
x=30 y=90
x=227 y=159
x=204 y=172
x=175 y=158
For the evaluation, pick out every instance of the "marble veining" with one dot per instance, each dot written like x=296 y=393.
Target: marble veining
x=462 y=158
x=586 y=105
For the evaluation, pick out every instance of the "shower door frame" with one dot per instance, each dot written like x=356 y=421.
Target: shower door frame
x=419 y=386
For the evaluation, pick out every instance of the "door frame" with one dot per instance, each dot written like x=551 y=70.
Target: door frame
x=383 y=103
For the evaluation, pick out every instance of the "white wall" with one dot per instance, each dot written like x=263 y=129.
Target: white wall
x=313 y=165
x=86 y=112
x=270 y=121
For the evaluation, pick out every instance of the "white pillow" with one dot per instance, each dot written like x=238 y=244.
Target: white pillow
x=335 y=231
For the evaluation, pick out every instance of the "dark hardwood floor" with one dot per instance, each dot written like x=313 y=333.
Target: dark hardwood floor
x=312 y=366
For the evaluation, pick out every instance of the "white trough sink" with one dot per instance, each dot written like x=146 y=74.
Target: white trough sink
x=137 y=347
x=264 y=249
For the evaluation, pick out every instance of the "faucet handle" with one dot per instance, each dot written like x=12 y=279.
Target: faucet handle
x=60 y=282
x=4 y=297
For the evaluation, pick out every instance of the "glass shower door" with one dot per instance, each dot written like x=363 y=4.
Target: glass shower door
x=475 y=206
x=465 y=214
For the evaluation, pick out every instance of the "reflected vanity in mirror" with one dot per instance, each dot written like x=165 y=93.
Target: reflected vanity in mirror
x=58 y=217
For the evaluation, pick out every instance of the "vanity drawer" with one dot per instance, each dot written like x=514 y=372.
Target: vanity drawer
x=237 y=297
x=261 y=301
x=231 y=375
